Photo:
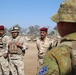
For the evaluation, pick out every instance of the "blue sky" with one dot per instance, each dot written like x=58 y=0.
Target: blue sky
x=28 y=12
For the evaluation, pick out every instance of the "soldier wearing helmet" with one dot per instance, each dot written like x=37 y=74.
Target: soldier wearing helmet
x=15 y=32
x=17 y=47
x=4 y=66
x=61 y=60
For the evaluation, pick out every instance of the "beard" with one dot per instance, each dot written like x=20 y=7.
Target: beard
x=14 y=36
x=1 y=34
x=43 y=37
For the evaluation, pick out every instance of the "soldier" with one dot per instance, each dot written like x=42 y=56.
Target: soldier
x=43 y=43
x=61 y=60
x=4 y=66
x=17 y=47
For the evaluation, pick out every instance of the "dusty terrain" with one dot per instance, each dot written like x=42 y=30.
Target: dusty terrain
x=30 y=59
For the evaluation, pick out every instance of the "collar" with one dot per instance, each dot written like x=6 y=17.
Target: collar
x=69 y=37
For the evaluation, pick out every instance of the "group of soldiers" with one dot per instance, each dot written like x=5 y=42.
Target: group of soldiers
x=55 y=58
x=12 y=49
x=61 y=58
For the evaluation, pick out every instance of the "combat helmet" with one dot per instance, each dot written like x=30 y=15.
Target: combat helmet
x=15 y=29
x=66 y=12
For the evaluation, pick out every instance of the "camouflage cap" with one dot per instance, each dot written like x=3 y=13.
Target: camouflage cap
x=66 y=12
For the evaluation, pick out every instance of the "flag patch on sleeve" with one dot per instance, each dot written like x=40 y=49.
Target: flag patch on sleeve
x=43 y=70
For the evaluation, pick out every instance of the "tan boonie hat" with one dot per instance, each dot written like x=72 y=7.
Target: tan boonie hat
x=66 y=12
x=15 y=29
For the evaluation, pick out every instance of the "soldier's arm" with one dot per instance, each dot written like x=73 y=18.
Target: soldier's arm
x=25 y=44
x=49 y=66
x=7 y=39
x=5 y=55
x=37 y=44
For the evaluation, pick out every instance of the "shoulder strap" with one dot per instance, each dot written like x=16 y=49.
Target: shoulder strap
x=71 y=44
x=65 y=43
x=19 y=38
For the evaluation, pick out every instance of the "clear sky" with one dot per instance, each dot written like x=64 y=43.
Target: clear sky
x=28 y=12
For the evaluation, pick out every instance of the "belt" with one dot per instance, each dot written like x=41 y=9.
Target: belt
x=14 y=59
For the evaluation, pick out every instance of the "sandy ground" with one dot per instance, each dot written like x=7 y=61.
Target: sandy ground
x=30 y=59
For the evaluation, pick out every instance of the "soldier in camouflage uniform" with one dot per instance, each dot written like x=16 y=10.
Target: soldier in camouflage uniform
x=61 y=60
x=43 y=43
x=4 y=66
x=17 y=47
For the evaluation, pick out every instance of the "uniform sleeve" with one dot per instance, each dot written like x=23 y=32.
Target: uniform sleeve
x=7 y=41
x=37 y=45
x=49 y=66
x=25 y=44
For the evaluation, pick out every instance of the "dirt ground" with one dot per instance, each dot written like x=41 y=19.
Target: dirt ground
x=30 y=59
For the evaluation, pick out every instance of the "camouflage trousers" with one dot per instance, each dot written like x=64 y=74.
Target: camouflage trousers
x=40 y=62
x=4 y=66
x=17 y=67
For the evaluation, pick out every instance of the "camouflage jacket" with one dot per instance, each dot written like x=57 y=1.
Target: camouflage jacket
x=58 y=61
x=4 y=44
x=43 y=46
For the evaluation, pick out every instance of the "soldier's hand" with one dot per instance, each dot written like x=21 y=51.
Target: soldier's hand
x=19 y=44
x=10 y=43
x=5 y=55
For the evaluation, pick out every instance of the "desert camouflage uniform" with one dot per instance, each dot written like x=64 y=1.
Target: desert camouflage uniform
x=16 y=56
x=61 y=60
x=43 y=47
x=4 y=66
